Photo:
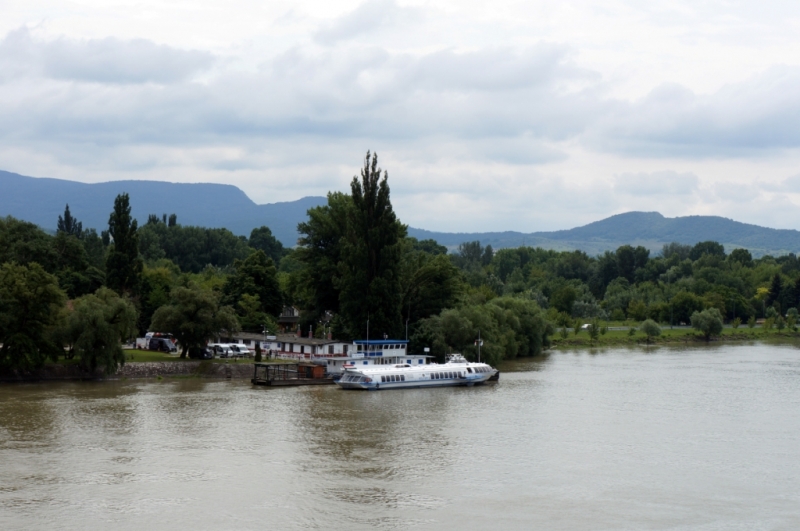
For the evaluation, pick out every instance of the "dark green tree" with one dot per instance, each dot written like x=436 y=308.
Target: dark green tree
x=194 y=316
x=320 y=251
x=741 y=256
x=70 y=225
x=775 y=289
x=256 y=275
x=262 y=239
x=370 y=261
x=30 y=308
x=709 y=247
x=123 y=264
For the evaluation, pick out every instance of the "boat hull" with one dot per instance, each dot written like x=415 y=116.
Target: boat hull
x=409 y=377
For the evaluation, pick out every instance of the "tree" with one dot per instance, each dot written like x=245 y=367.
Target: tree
x=650 y=329
x=30 y=307
x=709 y=247
x=123 y=265
x=70 y=225
x=320 y=252
x=684 y=304
x=430 y=284
x=256 y=276
x=709 y=322
x=96 y=327
x=741 y=256
x=193 y=317
x=775 y=289
x=594 y=330
x=370 y=295
x=262 y=239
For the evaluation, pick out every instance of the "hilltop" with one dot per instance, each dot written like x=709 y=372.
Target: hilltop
x=42 y=200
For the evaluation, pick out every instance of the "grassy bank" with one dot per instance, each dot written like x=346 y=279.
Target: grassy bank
x=668 y=336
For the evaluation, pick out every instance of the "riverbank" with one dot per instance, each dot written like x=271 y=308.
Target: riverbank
x=149 y=369
x=668 y=336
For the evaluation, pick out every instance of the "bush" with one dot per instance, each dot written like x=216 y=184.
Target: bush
x=737 y=322
x=650 y=329
x=709 y=322
x=751 y=323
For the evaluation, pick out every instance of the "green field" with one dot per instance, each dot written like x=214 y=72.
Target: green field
x=677 y=335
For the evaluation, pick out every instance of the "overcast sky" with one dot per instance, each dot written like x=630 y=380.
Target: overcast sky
x=488 y=116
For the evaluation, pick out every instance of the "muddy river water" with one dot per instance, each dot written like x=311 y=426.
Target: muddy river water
x=703 y=438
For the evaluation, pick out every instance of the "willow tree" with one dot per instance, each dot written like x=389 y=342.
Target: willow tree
x=369 y=269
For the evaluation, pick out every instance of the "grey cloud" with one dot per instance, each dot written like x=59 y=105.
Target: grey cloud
x=107 y=60
x=369 y=17
x=657 y=183
x=739 y=120
x=790 y=184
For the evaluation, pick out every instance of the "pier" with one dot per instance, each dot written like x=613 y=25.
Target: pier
x=286 y=374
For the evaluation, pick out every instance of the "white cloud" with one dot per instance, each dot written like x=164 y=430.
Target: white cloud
x=107 y=60
x=661 y=183
x=513 y=116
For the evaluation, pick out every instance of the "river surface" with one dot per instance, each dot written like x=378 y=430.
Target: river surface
x=702 y=438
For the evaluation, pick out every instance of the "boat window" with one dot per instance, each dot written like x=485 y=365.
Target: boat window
x=469 y=370
x=403 y=377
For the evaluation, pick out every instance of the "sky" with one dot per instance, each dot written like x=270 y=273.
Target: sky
x=488 y=116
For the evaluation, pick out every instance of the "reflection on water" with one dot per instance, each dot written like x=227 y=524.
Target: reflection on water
x=667 y=438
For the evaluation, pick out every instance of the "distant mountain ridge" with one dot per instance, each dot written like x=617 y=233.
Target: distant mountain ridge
x=42 y=200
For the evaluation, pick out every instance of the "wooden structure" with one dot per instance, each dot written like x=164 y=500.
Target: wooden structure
x=282 y=374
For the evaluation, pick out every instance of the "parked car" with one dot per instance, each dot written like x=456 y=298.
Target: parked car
x=162 y=344
x=201 y=353
x=240 y=351
x=221 y=350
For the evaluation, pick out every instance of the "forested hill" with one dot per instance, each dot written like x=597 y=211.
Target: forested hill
x=42 y=200
x=649 y=229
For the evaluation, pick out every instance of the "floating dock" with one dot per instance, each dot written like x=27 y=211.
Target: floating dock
x=287 y=374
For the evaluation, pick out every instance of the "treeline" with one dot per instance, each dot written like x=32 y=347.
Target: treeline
x=354 y=272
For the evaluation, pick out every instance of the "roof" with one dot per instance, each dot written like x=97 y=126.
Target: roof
x=378 y=341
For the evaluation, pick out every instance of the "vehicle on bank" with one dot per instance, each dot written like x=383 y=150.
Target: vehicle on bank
x=238 y=350
x=455 y=372
x=200 y=353
x=157 y=341
x=221 y=350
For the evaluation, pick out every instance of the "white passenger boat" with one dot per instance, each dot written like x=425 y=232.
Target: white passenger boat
x=457 y=371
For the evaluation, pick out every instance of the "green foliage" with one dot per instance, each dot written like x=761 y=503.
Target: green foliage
x=255 y=276
x=510 y=327
x=96 y=327
x=430 y=283
x=707 y=248
x=194 y=316
x=595 y=330
x=736 y=322
x=708 y=322
x=123 y=264
x=69 y=225
x=751 y=322
x=31 y=306
x=191 y=248
x=369 y=270
x=650 y=329
x=315 y=285
x=684 y=304
x=780 y=323
x=261 y=239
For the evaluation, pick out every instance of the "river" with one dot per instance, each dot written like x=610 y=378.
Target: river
x=702 y=438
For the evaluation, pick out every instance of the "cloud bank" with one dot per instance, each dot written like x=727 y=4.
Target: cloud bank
x=484 y=123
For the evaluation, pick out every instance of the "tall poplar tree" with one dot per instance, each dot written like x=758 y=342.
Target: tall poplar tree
x=123 y=264
x=370 y=260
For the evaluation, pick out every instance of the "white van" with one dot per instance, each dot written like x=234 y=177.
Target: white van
x=221 y=350
x=240 y=350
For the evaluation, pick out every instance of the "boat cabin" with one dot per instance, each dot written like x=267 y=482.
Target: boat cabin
x=369 y=353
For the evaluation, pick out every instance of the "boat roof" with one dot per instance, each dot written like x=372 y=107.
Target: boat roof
x=387 y=356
